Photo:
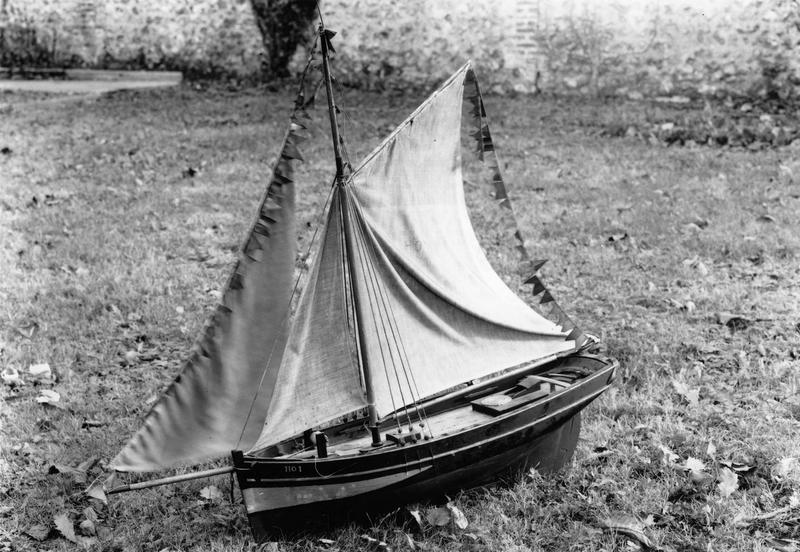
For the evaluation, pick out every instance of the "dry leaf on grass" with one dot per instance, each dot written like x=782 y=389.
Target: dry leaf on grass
x=49 y=397
x=438 y=517
x=37 y=532
x=97 y=492
x=629 y=527
x=692 y=396
x=783 y=545
x=211 y=492
x=459 y=519
x=728 y=482
x=77 y=475
x=65 y=527
x=10 y=376
x=375 y=543
x=40 y=371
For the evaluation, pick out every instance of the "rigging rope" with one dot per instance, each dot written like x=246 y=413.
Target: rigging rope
x=361 y=259
x=388 y=318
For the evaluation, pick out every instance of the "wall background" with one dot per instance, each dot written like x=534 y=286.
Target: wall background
x=628 y=47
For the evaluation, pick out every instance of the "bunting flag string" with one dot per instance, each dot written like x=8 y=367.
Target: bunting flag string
x=486 y=153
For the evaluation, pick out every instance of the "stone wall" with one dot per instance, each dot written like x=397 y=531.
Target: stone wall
x=628 y=47
x=194 y=35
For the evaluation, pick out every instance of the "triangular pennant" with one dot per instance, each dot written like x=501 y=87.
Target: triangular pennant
x=223 y=318
x=499 y=191
x=470 y=79
x=261 y=228
x=575 y=335
x=254 y=250
x=237 y=282
x=519 y=238
x=538 y=286
x=546 y=298
x=284 y=167
x=267 y=216
x=327 y=36
x=564 y=321
x=290 y=151
x=281 y=179
x=536 y=265
x=272 y=203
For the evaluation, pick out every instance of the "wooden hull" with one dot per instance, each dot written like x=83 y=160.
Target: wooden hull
x=296 y=494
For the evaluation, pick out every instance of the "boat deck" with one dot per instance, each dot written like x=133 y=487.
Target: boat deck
x=460 y=410
x=358 y=440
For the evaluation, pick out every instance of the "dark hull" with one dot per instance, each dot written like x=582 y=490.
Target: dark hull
x=284 y=494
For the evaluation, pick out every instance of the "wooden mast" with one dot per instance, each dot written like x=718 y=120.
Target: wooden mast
x=324 y=37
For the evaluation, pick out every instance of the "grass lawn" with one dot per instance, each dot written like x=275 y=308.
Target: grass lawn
x=120 y=216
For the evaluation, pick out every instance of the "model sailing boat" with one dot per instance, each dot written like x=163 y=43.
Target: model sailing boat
x=405 y=369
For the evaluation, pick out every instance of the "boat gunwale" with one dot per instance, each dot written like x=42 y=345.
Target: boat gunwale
x=413 y=465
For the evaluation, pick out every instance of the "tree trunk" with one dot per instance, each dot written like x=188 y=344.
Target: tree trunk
x=283 y=24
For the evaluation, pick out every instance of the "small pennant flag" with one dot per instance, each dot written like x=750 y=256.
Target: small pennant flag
x=546 y=298
x=261 y=229
x=237 y=282
x=538 y=286
x=327 y=36
x=290 y=151
x=280 y=179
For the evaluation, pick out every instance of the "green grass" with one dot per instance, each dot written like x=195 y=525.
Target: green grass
x=122 y=252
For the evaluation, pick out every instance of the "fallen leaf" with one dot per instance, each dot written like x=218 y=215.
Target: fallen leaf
x=416 y=516
x=372 y=541
x=694 y=468
x=459 y=518
x=40 y=371
x=628 y=526
x=783 y=545
x=97 y=492
x=786 y=467
x=90 y=514
x=87 y=528
x=48 y=396
x=211 y=493
x=667 y=456
x=65 y=527
x=77 y=474
x=38 y=532
x=438 y=517
x=733 y=321
x=692 y=396
x=326 y=542
x=728 y=482
x=10 y=376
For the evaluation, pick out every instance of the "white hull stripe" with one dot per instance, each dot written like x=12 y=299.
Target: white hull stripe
x=260 y=499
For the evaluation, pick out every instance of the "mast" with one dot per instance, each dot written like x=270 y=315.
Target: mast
x=325 y=37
